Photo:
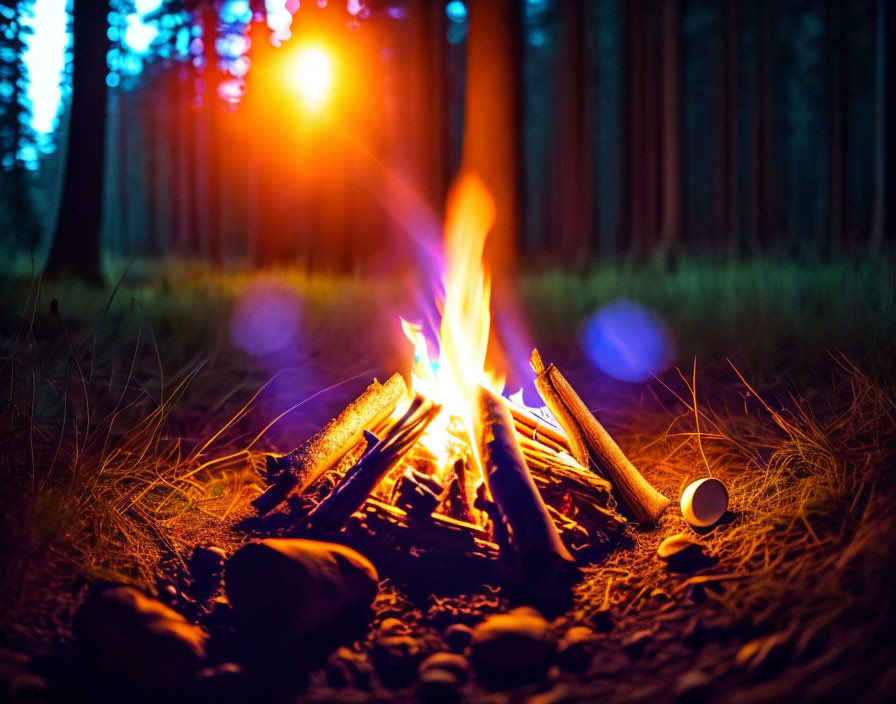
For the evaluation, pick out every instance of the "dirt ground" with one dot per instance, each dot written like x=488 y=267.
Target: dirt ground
x=131 y=437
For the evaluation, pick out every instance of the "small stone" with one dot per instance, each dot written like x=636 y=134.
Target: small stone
x=683 y=551
x=348 y=668
x=635 y=643
x=206 y=567
x=439 y=686
x=12 y=659
x=393 y=627
x=206 y=561
x=138 y=638
x=576 y=648
x=456 y=664
x=282 y=590
x=765 y=656
x=675 y=545
x=692 y=686
x=457 y=637
x=514 y=646
x=17 y=683
x=168 y=593
x=395 y=658
x=223 y=683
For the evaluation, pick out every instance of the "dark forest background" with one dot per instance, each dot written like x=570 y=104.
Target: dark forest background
x=644 y=129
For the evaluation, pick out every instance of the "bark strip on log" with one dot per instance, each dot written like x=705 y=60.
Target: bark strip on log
x=538 y=554
x=323 y=449
x=534 y=428
x=348 y=496
x=592 y=445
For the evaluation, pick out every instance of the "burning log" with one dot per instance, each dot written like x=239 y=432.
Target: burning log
x=453 y=553
x=348 y=496
x=282 y=486
x=532 y=428
x=436 y=532
x=538 y=552
x=573 y=534
x=457 y=501
x=416 y=493
x=561 y=480
x=317 y=454
x=591 y=444
x=562 y=467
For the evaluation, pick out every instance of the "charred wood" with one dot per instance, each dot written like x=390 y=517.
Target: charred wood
x=416 y=493
x=537 y=552
x=578 y=494
x=446 y=549
x=332 y=513
x=283 y=483
x=323 y=449
x=457 y=500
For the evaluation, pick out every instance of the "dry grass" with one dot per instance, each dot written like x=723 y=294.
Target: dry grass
x=123 y=445
x=800 y=590
x=122 y=448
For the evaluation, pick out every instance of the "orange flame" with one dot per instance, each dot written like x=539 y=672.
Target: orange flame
x=453 y=380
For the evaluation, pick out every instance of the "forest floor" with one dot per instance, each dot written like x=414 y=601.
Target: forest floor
x=134 y=429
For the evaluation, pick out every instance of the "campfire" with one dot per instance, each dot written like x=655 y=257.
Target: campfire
x=448 y=467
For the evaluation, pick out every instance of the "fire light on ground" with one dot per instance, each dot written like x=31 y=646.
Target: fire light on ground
x=450 y=470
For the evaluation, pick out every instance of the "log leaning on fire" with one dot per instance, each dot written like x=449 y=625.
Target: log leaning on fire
x=537 y=550
x=349 y=495
x=323 y=449
x=591 y=444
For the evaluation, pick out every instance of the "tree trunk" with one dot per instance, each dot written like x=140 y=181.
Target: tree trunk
x=152 y=139
x=76 y=241
x=762 y=126
x=729 y=201
x=211 y=140
x=651 y=137
x=671 y=129
x=884 y=225
x=571 y=182
x=635 y=224
x=423 y=69
x=836 y=128
x=492 y=118
x=492 y=149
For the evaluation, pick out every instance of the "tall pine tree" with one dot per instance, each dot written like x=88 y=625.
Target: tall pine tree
x=18 y=221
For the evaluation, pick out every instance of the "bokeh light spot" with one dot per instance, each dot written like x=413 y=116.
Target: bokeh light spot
x=139 y=36
x=456 y=11
x=45 y=60
x=628 y=341
x=144 y=7
x=267 y=319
